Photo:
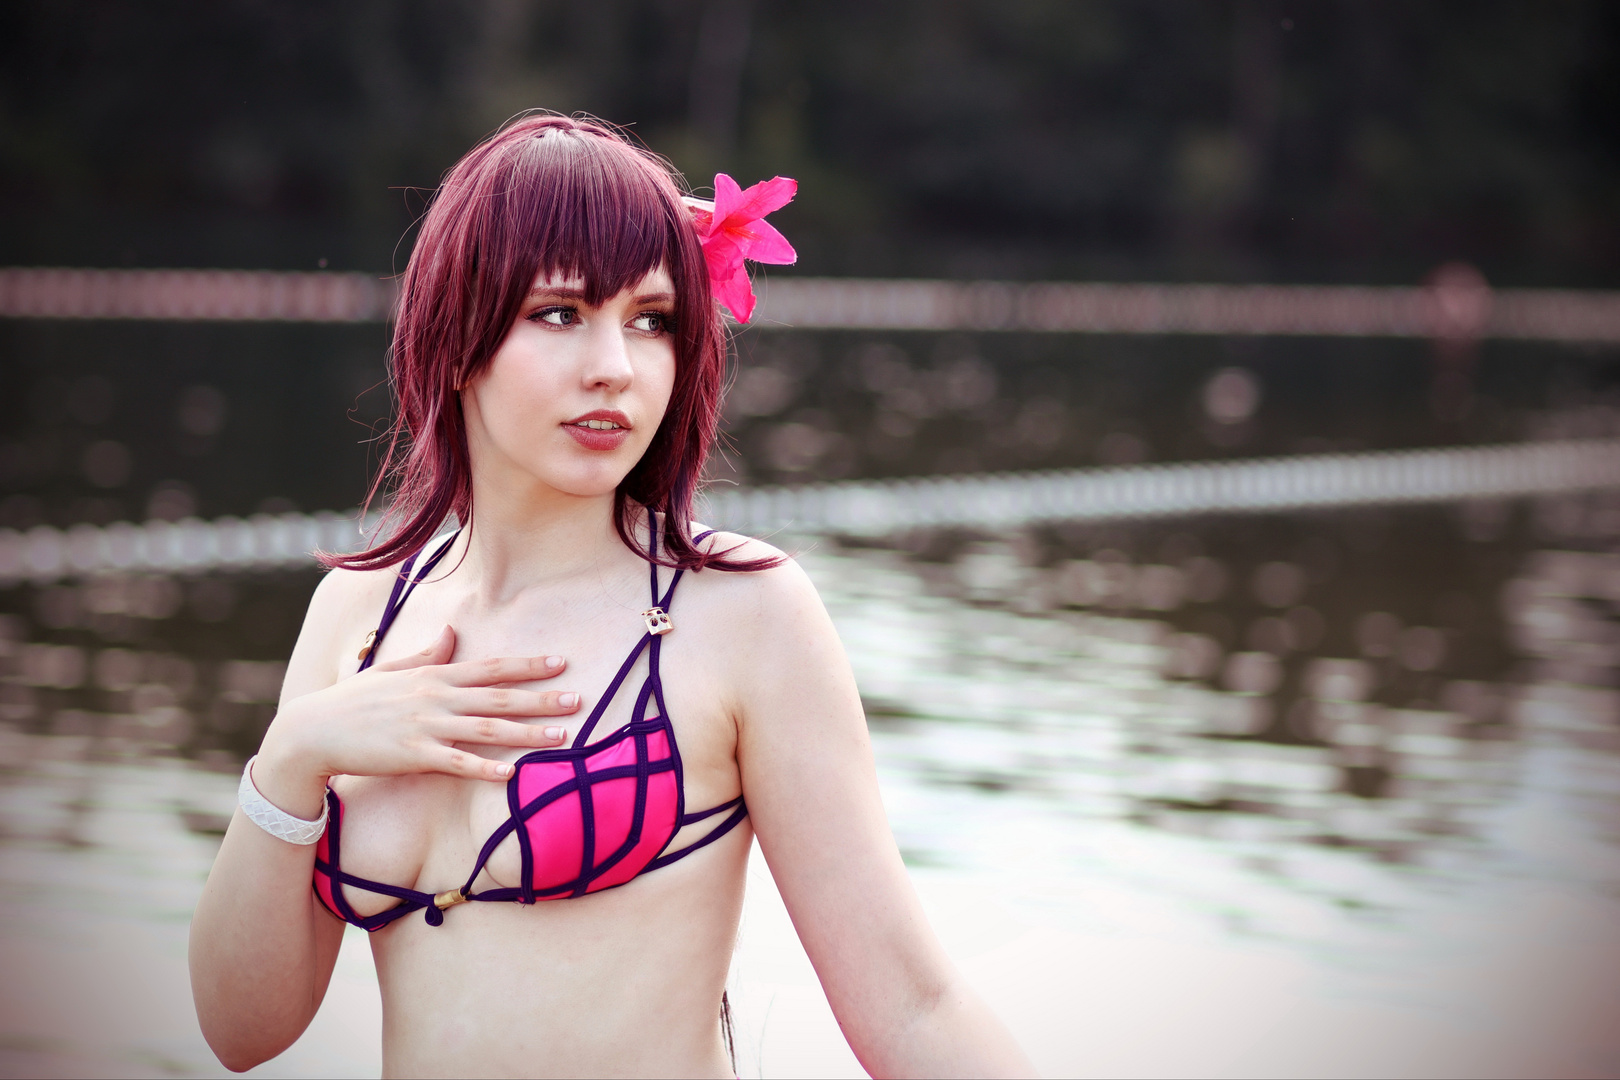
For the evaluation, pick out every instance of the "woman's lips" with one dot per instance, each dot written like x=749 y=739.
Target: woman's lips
x=599 y=430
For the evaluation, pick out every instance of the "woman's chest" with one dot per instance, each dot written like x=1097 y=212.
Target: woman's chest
x=656 y=740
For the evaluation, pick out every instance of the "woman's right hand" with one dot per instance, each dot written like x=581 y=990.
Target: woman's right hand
x=409 y=715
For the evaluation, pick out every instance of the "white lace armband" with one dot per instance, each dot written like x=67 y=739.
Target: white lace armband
x=272 y=818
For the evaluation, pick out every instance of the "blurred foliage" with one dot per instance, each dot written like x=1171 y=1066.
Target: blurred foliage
x=1243 y=139
x=1246 y=139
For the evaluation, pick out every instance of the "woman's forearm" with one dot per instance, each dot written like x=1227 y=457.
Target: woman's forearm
x=261 y=952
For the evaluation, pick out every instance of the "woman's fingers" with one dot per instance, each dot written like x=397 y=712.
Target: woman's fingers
x=498 y=701
x=447 y=759
x=488 y=672
x=493 y=731
x=488 y=731
x=503 y=669
x=439 y=652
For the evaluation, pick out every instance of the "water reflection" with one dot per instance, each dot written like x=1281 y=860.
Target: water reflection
x=1084 y=685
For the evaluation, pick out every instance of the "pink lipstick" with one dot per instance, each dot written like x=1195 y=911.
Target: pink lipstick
x=599 y=429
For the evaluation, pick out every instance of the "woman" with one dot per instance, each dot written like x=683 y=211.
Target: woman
x=575 y=843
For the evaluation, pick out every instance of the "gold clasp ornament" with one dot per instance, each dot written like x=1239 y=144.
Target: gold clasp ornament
x=365 y=650
x=657 y=620
x=449 y=898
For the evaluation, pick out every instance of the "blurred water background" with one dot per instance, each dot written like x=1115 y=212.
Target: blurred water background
x=1327 y=789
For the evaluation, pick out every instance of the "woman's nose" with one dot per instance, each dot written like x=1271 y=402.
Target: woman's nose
x=607 y=359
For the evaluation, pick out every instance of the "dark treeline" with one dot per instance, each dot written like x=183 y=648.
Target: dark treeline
x=1251 y=140
x=1248 y=139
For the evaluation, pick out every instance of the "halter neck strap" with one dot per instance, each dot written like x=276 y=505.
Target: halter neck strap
x=405 y=582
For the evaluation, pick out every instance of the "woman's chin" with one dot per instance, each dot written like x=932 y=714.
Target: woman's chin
x=573 y=472
x=592 y=483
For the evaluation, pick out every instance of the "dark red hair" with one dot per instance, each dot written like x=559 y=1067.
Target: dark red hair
x=562 y=196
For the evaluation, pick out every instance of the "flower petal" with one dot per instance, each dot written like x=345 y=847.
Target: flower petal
x=765 y=196
x=727 y=199
x=723 y=252
x=736 y=293
x=769 y=246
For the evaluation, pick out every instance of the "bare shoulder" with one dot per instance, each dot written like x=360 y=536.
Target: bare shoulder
x=772 y=642
x=755 y=602
x=345 y=596
x=342 y=592
x=345 y=605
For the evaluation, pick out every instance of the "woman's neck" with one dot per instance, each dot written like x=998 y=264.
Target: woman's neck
x=513 y=546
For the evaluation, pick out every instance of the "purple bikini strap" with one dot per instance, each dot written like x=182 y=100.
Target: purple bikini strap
x=331 y=867
x=652 y=552
x=652 y=561
x=708 y=838
x=405 y=582
x=612 y=690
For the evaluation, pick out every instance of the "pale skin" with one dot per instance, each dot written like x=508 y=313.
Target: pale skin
x=472 y=675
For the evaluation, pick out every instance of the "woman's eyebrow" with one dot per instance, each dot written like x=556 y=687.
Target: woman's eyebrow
x=655 y=298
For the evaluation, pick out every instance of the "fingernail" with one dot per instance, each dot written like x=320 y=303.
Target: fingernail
x=503 y=770
x=554 y=732
x=568 y=701
x=553 y=661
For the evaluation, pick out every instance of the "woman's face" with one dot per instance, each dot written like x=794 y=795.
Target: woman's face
x=572 y=398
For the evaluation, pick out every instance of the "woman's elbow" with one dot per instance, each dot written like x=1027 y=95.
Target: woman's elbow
x=240 y=1047
x=240 y=1062
x=242 y=1028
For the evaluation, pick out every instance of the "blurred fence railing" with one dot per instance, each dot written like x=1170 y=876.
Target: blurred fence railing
x=264 y=542
x=1299 y=310
x=1261 y=485
x=1447 y=309
x=194 y=295
x=45 y=554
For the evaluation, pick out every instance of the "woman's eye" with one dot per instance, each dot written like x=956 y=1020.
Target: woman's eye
x=557 y=316
x=651 y=322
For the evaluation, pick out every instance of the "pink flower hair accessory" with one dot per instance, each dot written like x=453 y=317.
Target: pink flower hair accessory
x=733 y=228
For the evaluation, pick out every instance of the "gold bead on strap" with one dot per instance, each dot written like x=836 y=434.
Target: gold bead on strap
x=657 y=620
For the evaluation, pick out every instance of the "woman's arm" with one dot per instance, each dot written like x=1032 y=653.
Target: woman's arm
x=812 y=794
x=262 y=948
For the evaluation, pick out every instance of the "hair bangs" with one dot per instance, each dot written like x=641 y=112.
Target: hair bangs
x=586 y=210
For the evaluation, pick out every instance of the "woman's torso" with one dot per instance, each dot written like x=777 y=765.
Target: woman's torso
x=629 y=978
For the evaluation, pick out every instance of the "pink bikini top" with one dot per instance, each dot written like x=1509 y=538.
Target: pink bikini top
x=587 y=817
